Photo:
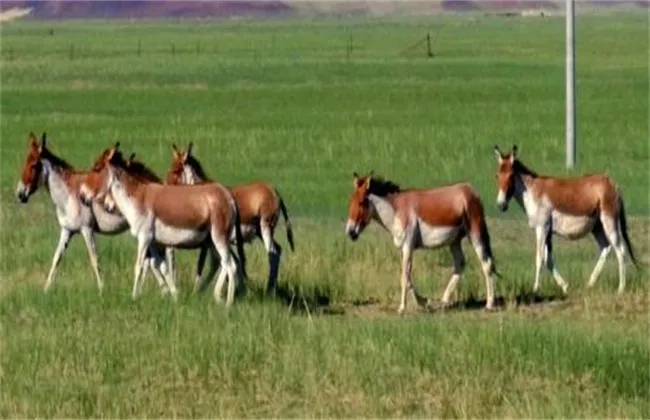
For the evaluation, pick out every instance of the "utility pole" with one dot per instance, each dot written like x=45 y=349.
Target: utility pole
x=570 y=85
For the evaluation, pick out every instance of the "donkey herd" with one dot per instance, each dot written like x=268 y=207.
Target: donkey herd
x=188 y=210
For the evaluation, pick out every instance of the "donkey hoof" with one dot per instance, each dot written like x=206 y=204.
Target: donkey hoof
x=445 y=304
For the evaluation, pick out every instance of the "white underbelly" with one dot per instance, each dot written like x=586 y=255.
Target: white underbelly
x=572 y=227
x=436 y=236
x=73 y=216
x=109 y=223
x=179 y=237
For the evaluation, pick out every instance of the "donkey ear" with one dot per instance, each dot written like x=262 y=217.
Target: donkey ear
x=33 y=140
x=497 y=152
x=117 y=145
x=175 y=152
x=131 y=157
x=366 y=184
x=43 y=142
x=355 y=180
x=513 y=155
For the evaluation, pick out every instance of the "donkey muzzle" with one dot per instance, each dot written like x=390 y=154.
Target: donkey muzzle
x=22 y=193
x=352 y=230
x=22 y=196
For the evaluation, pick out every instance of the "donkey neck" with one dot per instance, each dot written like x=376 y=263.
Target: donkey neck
x=523 y=192
x=56 y=184
x=384 y=212
x=125 y=190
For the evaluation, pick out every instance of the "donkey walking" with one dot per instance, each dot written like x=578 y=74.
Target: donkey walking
x=259 y=204
x=424 y=218
x=568 y=207
x=63 y=182
x=187 y=217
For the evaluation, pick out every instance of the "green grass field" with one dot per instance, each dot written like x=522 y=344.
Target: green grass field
x=282 y=101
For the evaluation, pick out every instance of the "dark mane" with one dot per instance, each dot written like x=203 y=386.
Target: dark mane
x=55 y=160
x=523 y=169
x=196 y=166
x=140 y=170
x=382 y=187
x=134 y=168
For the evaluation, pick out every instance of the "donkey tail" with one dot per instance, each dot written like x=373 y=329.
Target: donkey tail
x=626 y=237
x=479 y=233
x=239 y=239
x=287 y=222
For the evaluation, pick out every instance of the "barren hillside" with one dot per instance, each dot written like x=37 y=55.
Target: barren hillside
x=114 y=9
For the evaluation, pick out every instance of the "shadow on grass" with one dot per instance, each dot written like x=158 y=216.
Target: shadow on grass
x=316 y=301
x=531 y=298
x=523 y=299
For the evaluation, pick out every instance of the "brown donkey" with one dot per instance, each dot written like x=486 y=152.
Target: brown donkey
x=63 y=183
x=148 y=175
x=568 y=207
x=259 y=204
x=424 y=218
x=108 y=204
x=188 y=217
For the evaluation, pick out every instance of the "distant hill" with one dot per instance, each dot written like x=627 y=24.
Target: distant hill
x=115 y=9
x=138 y=9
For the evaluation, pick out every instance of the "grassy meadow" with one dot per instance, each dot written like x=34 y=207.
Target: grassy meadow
x=287 y=102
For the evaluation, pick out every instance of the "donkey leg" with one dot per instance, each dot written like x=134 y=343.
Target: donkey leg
x=407 y=282
x=459 y=267
x=150 y=262
x=64 y=240
x=157 y=273
x=229 y=267
x=550 y=264
x=201 y=281
x=611 y=227
x=170 y=258
x=162 y=270
x=234 y=277
x=218 y=287
x=200 y=263
x=140 y=259
x=228 y=272
x=274 y=252
x=89 y=239
x=604 y=247
x=487 y=266
x=405 y=277
x=541 y=232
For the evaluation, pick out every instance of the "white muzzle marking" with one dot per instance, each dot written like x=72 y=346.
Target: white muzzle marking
x=352 y=229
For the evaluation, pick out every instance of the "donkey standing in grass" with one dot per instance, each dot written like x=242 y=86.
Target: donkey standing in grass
x=108 y=204
x=63 y=182
x=190 y=217
x=568 y=207
x=259 y=204
x=424 y=218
